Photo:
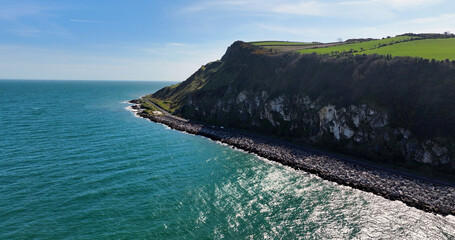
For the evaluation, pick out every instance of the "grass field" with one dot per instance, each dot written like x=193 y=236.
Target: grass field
x=439 y=49
x=362 y=46
x=281 y=43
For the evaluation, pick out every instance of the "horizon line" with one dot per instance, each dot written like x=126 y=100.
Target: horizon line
x=112 y=80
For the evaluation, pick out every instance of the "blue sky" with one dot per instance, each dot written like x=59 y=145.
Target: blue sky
x=169 y=40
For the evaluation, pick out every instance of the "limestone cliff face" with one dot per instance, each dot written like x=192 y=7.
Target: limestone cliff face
x=240 y=92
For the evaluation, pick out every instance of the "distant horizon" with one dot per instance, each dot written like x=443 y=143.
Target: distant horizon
x=170 y=40
x=94 y=80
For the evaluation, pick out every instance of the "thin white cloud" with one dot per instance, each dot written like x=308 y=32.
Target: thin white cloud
x=88 y=21
x=353 y=8
x=440 y=24
x=171 y=52
x=176 y=44
x=363 y=18
x=302 y=8
x=441 y=20
x=214 y=5
x=399 y=4
x=26 y=31
x=16 y=15
x=14 y=10
x=436 y=24
x=297 y=33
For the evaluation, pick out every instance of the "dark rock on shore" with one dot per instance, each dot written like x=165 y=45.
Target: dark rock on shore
x=417 y=193
x=135 y=101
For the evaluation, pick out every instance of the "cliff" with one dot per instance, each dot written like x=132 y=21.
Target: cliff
x=399 y=111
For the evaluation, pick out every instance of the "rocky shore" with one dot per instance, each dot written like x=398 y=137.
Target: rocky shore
x=424 y=195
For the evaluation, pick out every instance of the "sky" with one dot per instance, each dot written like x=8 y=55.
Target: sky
x=168 y=40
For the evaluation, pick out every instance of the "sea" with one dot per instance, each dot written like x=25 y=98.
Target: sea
x=77 y=163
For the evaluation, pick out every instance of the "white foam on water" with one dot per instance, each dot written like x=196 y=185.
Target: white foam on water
x=132 y=110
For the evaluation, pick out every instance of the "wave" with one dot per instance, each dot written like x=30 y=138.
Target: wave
x=132 y=110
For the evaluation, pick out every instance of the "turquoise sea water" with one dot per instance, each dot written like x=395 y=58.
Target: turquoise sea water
x=75 y=164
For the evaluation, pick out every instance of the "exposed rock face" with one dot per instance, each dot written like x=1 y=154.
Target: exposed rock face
x=353 y=127
x=277 y=95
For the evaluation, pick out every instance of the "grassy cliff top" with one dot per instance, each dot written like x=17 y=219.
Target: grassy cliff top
x=427 y=46
x=360 y=46
x=438 y=49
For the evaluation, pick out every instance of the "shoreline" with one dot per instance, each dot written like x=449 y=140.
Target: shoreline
x=418 y=193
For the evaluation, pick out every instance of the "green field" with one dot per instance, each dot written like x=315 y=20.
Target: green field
x=281 y=43
x=362 y=46
x=439 y=49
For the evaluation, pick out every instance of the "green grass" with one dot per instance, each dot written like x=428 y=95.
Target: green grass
x=362 y=46
x=281 y=43
x=149 y=106
x=166 y=105
x=438 y=49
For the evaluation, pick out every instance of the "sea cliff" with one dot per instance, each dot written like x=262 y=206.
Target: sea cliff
x=398 y=111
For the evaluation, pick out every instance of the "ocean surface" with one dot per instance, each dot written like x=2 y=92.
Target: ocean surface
x=76 y=164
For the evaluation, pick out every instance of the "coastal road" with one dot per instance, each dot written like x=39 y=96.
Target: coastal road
x=165 y=113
